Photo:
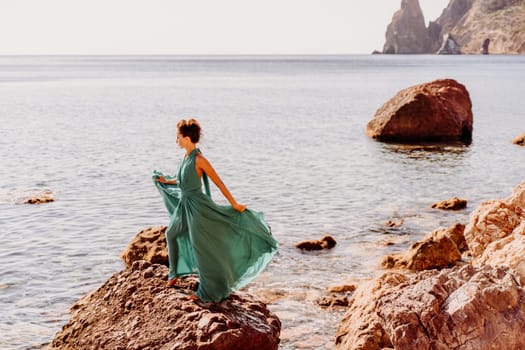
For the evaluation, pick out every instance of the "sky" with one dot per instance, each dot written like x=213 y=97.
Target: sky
x=198 y=27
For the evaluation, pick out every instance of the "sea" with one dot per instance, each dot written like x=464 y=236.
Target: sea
x=285 y=133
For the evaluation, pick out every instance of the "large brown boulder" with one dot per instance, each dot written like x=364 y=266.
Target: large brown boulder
x=440 y=248
x=134 y=310
x=460 y=308
x=149 y=245
x=496 y=232
x=440 y=110
x=406 y=33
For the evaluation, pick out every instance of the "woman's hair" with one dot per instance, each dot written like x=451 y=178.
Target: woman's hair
x=190 y=128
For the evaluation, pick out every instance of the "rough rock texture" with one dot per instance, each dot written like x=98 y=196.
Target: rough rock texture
x=327 y=242
x=407 y=33
x=453 y=203
x=470 y=22
x=501 y=21
x=134 y=310
x=149 y=245
x=360 y=328
x=440 y=110
x=460 y=308
x=496 y=232
x=440 y=248
x=519 y=140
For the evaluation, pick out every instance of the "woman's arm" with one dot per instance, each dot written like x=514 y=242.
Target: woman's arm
x=203 y=166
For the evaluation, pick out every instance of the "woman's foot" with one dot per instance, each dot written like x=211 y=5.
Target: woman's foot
x=172 y=282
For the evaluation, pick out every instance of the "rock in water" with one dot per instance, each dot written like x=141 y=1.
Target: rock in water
x=519 y=140
x=134 y=310
x=440 y=110
x=406 y=34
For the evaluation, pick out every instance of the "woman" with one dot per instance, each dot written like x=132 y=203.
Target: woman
x=227 y=246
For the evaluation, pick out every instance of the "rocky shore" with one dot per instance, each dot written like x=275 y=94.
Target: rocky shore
x=445 y=294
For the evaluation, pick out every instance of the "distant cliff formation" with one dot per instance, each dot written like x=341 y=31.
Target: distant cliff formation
x=465 y=26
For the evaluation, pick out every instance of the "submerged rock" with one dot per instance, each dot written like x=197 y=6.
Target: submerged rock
x=40 y=198
x=453 y=203
x=149 y=245
x=327 y=242
x=134 y=310
x=440 y=110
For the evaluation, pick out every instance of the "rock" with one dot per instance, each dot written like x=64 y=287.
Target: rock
x=132 y=311
x=391 y=223
x=149 y=245
x=495 y=233
x=453 y=203
x=460 y=308
x=327 y=242
x=40 y=198
x=406 y=34
x=449 y=47
x=333 y=300
x=519 y=140
x=440 y=110
x=360 y=328
x=474 y=24
x=440 y=248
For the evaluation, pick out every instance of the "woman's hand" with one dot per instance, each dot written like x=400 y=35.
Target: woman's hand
x=239 y=207
x=163 y=180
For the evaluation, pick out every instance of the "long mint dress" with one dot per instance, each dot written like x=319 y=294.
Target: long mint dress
x=227 y=249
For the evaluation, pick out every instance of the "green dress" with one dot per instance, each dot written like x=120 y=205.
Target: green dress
x=226 y=248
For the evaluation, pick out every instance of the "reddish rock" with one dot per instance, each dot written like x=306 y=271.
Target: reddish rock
x=360 y=328
x=440 y=248
x=440 y=110
x=519 y=140
x=460 y=308
x=453 y=203
x=134 y=310
x=496 y=232
x=327 y=242
x=149 y=245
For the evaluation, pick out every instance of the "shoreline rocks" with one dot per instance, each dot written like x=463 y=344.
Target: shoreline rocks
x=134 y=310
x=436 y=111
x=478 y=305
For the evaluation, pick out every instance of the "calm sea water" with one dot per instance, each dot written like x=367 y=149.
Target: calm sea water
x=286 y=134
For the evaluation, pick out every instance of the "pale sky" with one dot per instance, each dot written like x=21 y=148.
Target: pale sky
x=198 y=26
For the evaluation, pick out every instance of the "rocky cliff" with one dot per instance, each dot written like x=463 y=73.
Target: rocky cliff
x=477 y=26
